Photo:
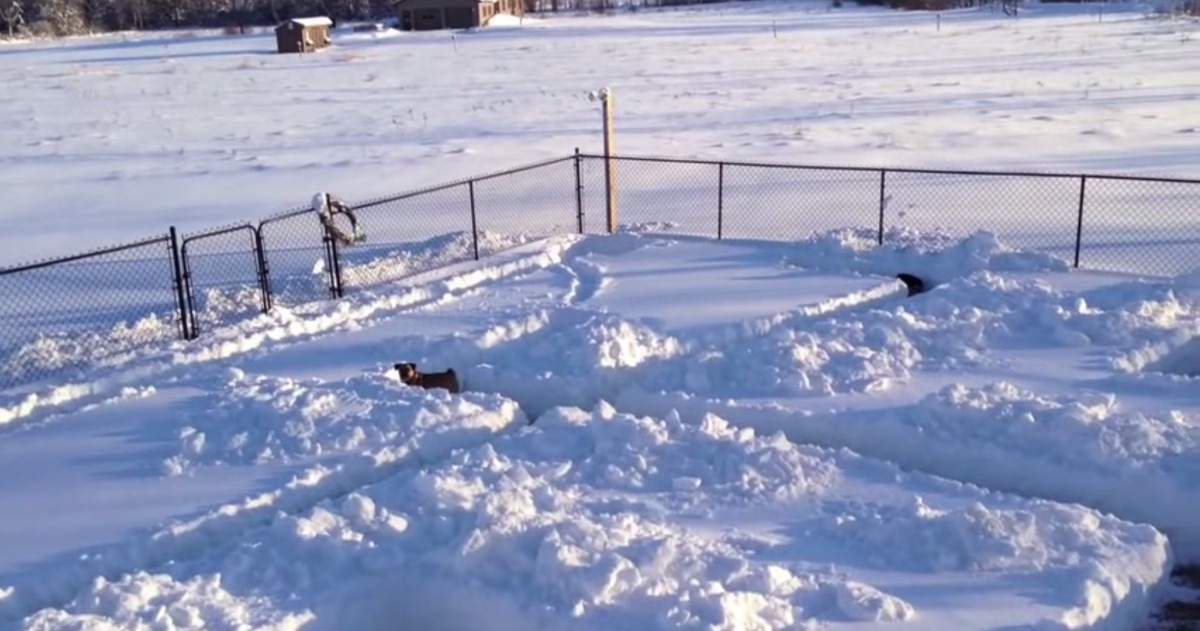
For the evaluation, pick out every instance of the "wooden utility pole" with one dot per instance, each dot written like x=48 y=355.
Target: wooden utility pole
x=610 y=167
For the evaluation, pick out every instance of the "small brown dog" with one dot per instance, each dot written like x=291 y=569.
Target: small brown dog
x=412 y=377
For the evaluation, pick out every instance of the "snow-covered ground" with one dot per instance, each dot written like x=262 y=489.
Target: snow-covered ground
x=655 y=435
x=659 y=431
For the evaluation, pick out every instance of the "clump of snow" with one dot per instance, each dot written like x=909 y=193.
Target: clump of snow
x=58 y=354
x=647 y=227
x=1071 y=448
x=935 y=256
x=363 y=266
x=260 y=419
x=577 y=519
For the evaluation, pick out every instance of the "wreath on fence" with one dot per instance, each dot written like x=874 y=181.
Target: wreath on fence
x=326 y=206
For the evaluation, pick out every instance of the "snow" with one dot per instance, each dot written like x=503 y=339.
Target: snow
x=1057 y=89
x=659 y=429
x=312 y=21
x=820 y=450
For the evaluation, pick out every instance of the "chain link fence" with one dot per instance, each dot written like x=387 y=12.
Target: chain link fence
x=297 y=252
x=66 y=315
x=1128 y=224
x=224 y=273
x=70 y=313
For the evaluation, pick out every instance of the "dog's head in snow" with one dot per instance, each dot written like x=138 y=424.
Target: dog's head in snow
x=410 y=376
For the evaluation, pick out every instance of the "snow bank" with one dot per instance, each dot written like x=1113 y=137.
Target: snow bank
x=386 y=427
x=862 y=342
x=259 y=419
x=933 y=255
x=113 y=371
x=580 y=521
x=1073 y=449
x=363 y=267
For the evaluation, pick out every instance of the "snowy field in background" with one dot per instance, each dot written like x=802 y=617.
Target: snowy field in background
x=688 y=468
x=116 y=137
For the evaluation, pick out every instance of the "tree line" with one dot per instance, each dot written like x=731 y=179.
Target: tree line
x=45 y=18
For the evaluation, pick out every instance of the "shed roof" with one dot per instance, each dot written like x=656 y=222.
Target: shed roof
x=313 y=21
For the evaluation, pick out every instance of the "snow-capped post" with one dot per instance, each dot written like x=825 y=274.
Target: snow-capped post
x=939 y=22
x=610 y=192
x=454 y=41
x=326 y=206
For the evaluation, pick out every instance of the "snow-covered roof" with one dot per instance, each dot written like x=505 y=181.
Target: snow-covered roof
x=317 y=21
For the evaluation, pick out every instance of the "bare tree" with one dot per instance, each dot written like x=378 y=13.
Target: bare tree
x=13 y=16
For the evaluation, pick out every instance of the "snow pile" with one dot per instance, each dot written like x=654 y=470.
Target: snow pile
x=284 y=323
x=363 y=266
x=73 y=352
x=259 y=419
x=853 y=345
x=933 y=255
x=1067 y=448
x=582 y=520
x=436 y=427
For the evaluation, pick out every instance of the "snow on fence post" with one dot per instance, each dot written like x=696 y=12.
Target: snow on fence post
x=1079 y=219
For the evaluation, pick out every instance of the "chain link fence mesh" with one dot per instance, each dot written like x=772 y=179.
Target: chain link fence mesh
x=669 y=197
x=1141 y=226
x=64 y=316
x=409 y=234
x=525 y=205
x=74 y=312
x=295 y=252
x=221 y=273
x=1028 y=212
x=767 y=202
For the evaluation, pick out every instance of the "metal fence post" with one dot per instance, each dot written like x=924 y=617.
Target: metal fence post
x=180 y=296
x=189 y=289
x=720 y=200
x=579 y=189
x=474 y=225
x=882 y=201
x=1079 y=219
x=264 y=274
x=333 y=265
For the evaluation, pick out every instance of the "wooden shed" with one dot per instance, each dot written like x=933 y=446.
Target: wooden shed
x=303 y=35
x=427 y=15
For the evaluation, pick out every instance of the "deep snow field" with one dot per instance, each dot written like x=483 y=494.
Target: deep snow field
x=659 y=431
x=118 y=136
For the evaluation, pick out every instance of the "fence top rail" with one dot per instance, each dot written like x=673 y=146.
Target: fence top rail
x=913 y=170
x=38 y=264
x=460 y=182
x=216 y=232
x=284 y=215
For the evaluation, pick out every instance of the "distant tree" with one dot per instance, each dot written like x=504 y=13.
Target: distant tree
x=13 y=17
